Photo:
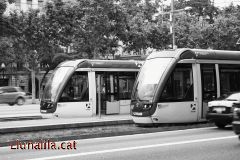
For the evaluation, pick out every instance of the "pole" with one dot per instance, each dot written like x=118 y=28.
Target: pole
x=33 y=87
x=162 y=12
x=99 y=95
x=39 y=87
x=172 y=24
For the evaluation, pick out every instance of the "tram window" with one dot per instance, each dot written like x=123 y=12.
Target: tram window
x=76 y=89
x=229 y=78
x=179 y=86
x=126 y=81
x=209 y=87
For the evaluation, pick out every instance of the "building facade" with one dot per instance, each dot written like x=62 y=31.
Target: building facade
x=10 y=76
x=28 y=4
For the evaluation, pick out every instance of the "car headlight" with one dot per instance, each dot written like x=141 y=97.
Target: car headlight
x=236 y=113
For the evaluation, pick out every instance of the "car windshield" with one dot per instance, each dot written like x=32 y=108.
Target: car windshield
x=233 y=97
x=148 y=78
x=54 y=84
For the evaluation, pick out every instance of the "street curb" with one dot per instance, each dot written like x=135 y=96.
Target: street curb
x=19 y=118
x=64 y=126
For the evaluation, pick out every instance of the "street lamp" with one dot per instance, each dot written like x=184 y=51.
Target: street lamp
x=172 y=30
x=171 y=19
x=172 y=24
x=3 y=66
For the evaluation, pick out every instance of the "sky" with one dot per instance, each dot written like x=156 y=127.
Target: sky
x=225 y=3
x=217 y=3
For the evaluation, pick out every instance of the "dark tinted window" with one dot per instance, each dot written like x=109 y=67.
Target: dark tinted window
x=20 y=89
x=179 y=86
x=209 y=87
x=229 y=78
x=9 y=90
x=76 y=89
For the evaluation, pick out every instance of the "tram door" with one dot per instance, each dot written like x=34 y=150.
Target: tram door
x=74 y=99
x=209 y=86
x=112 y=90
x=109 y=93
x=178 y=103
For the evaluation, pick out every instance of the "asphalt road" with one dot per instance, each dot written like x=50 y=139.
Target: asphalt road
x=192 y=144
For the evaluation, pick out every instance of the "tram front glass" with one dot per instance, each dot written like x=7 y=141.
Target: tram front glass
x=146 y=84
x=53 y=87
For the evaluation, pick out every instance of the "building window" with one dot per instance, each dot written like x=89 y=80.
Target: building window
x=17 y=4
x=29 y=3
x=40 y=4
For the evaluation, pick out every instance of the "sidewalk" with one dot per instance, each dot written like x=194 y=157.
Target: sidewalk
x=28 y=118
x=62 y=123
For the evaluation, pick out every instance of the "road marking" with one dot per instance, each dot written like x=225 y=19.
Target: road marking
x=135 y=148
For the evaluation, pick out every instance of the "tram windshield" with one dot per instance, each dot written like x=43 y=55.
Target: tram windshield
x=148 y=78
x=55 y=82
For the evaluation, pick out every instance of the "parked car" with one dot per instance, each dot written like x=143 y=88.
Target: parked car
x=12 y=95
x=236 y=119
x=220 y=111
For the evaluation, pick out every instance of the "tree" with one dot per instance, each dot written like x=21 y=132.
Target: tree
x=27 y=35
x=98 y=23
x=4 y=26
x=142 y=31
x=6 y=41
x=200 y=8
x=222 y=34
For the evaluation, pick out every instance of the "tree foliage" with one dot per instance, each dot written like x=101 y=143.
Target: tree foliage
x=222 y=34
x=96 y=28
x=199 y=8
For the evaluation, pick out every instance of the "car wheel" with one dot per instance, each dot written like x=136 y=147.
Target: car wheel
x=20 y=101
x=220 y=125
x=10 y=104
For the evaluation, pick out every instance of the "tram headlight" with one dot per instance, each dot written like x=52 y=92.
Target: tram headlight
x=147 y=106
x=49 y=105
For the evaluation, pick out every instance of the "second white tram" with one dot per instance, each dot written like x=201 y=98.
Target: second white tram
x=84 y=88
x=174 y=86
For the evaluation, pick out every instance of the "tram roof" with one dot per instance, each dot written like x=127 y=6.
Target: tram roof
x=87 y=63
x=186 y=53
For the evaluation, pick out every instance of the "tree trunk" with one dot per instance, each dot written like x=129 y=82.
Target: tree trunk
x=33 y=87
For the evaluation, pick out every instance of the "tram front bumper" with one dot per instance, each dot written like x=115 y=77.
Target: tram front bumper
x=142 y=120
